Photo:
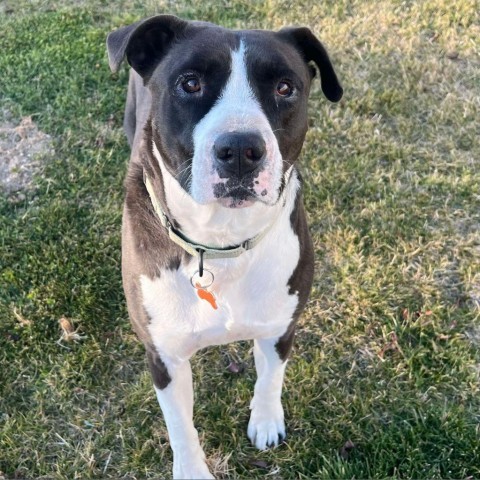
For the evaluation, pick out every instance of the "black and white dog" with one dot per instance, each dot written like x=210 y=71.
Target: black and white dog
x=215 y=243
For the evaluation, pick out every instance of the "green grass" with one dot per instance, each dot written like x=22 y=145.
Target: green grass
x=387 y=353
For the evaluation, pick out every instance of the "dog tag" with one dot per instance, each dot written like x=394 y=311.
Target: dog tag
x=207 y=296
x=201 y=283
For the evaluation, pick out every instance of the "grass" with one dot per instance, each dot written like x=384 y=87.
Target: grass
x=387 y=353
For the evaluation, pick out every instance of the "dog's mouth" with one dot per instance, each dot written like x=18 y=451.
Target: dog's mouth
x=235 y=195
x=234 y=191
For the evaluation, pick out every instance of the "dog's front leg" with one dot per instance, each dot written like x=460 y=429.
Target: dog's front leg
x=175 y=395
x=266 y=423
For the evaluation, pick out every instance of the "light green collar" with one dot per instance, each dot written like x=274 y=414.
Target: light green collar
x=196 y=249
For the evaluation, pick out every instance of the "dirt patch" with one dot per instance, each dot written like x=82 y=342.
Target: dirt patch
x=23 y=148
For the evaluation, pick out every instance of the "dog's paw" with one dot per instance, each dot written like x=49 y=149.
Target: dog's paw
x=266 y=426
x=191 y=465
x=192 y=471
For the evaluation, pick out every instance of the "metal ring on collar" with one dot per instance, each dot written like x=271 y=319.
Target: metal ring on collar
x=198 y=282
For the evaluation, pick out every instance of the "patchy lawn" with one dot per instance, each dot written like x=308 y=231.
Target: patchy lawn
x=384 y=380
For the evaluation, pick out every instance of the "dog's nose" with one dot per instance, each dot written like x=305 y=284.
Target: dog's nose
x=239 y=152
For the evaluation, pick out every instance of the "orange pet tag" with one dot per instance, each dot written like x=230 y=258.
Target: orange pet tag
x=201 y=283
x=206 y=295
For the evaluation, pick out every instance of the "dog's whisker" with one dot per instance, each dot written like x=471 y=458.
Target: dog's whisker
x=179 y=175
x=180 y=170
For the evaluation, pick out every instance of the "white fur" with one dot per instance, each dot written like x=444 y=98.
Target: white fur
x=266 y=420
x=251 y=290
x=176 y=402
x=237 y=110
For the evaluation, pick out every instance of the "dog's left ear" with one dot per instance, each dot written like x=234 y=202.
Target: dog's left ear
x=311 y=49
x=144 y=43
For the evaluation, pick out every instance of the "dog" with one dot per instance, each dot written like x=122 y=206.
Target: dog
x=215 y=244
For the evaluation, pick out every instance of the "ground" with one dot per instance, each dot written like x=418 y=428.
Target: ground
x=384 y=378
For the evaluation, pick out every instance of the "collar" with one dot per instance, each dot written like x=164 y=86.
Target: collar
x=193 y=248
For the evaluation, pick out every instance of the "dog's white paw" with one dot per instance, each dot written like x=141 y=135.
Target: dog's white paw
x=266 y=426
x=191 y=467
x=193 y=471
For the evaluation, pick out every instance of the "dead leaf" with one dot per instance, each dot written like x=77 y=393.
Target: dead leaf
x=346 y=450
x=68 y=332
x=13 y=337
x=442 y=336
x=67 y=327
x=391 y=346
x=235 y=367
x=258 y=463
x=21 y=319
x=452 y=55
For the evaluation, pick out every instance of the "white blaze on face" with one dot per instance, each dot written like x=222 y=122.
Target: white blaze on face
x=237 y=110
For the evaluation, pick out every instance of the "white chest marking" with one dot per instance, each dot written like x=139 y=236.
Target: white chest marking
x=251 y=292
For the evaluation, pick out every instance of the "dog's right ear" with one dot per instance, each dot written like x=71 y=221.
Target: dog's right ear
x=144 y=43
x=312 y=50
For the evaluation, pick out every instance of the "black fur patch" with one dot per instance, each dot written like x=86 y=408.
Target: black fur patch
x=301 y=280
x=156 y=251
x=238 y=189
x=160 y=375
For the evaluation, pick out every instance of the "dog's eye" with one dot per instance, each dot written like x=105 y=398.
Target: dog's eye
x=284 y=89
x=191 y=85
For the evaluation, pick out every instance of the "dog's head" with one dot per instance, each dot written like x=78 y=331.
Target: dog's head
x=229 y=108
